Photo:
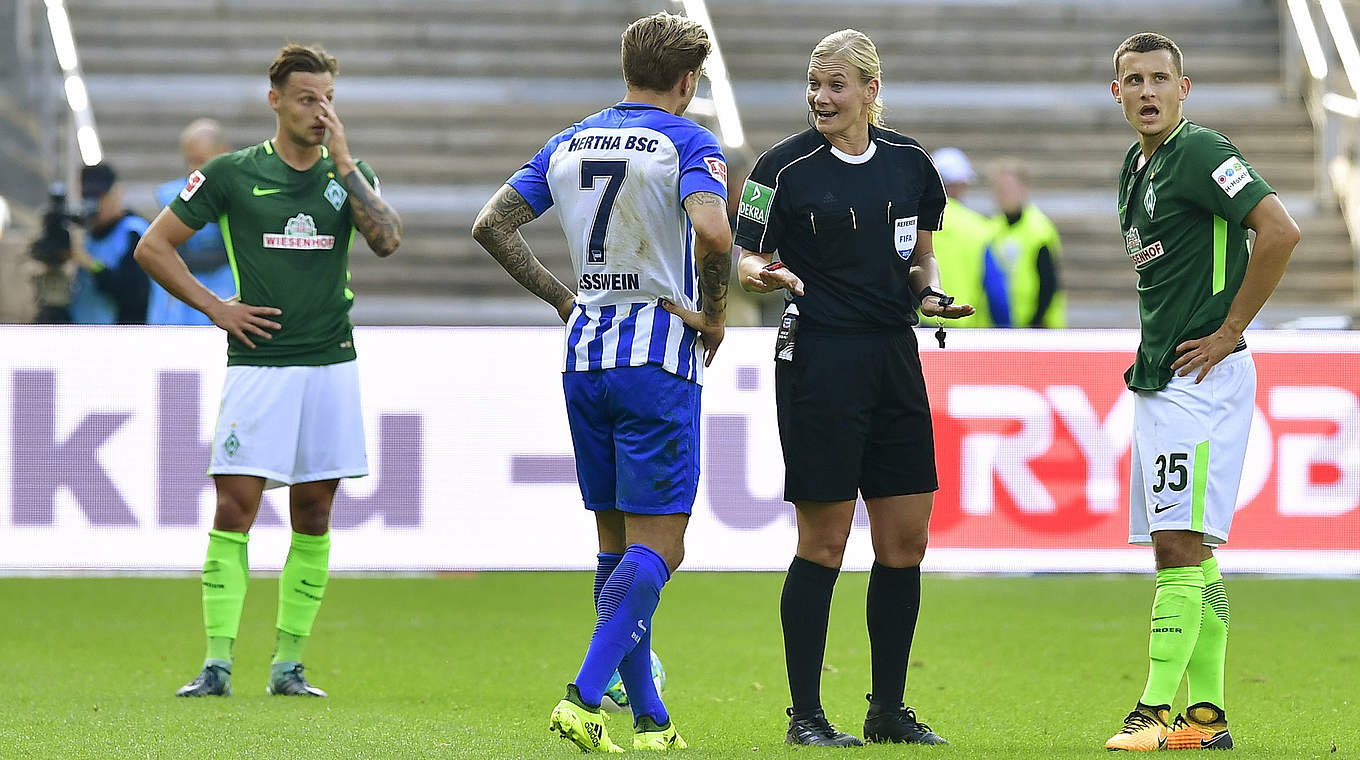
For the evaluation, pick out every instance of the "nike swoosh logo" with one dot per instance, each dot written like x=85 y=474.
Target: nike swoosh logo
x=313 y=585
x=257 y=191
x=1163 y=617
x=1158 y=509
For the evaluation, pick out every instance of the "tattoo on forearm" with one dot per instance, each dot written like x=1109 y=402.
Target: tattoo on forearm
x=497 y=229
x=717 y=265
x=713 y=283
x=375 y=220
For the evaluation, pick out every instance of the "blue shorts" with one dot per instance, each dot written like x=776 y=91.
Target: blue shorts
x=635 y=431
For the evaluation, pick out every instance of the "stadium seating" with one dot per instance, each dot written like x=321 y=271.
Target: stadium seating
x=446 y=99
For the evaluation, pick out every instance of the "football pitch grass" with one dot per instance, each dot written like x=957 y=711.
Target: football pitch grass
x=469 y=666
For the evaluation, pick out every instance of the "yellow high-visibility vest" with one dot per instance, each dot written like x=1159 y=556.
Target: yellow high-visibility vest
x=1016 y=249
x=960 y=245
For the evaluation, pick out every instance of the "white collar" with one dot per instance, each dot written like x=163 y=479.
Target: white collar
x=861 y=158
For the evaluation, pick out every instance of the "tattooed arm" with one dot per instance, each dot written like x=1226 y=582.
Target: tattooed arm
x=708 y=213
x=497 y=230
x=374 y=219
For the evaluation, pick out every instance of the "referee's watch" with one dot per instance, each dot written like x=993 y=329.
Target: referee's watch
x=930 y=291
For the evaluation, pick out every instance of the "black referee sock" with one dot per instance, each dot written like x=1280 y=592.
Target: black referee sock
x=891 y=608
x=804 y=609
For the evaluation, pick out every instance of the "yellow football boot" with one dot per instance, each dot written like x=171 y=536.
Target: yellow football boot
x=649 y=736
x=1145 y=730
x=581 y=725
x=1202 y=727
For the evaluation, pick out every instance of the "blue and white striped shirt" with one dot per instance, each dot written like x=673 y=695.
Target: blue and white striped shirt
x=619 y=179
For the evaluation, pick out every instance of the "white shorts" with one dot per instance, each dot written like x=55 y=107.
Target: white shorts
x=1189 y=443
x=290 y=424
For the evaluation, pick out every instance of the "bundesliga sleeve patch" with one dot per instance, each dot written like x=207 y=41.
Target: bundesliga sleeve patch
x=1231 y=176
x=718 y=168
x=196 y=181
x=755 y=202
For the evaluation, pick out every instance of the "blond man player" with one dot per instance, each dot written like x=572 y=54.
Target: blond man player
x=290 y=413
x=1186 y=200
x=642 y=197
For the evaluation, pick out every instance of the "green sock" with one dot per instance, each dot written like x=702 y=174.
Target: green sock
x=1176 y=612
x=219 y=650
x=288 y=646
x=224 y=590
x=1204 y=673
x=301 y=587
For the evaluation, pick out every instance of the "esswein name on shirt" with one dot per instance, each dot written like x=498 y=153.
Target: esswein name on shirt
x=610 y=281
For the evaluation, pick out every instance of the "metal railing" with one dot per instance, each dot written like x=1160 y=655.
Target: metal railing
x=1311 y=52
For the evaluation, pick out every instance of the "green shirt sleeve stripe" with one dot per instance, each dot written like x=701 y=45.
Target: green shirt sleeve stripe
x=1220 y=253
x=231 y=251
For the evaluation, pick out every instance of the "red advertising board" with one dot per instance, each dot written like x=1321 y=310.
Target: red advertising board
x=1033 y=449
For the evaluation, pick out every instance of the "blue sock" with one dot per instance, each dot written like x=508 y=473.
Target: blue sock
x=642 y=695
x=636 y=671
x=604 y=567
x=624 y=617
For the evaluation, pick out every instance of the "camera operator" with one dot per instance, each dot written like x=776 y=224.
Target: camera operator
x=110 y=287
x=51 y=253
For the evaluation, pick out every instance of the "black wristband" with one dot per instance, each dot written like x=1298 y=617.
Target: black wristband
x=930 y=291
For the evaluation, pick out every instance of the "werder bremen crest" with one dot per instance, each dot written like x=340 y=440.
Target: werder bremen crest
x=1149 y=200
x=335 y=194
x=232 y=444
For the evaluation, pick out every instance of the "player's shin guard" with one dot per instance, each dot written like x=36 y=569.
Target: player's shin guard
x=302 y=584
x=1204 y=672
x=1176 y=612
x=893 y=602
x=624 y=616
x=225 y=572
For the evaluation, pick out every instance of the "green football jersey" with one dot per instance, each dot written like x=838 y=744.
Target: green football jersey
x=288 y=235
x=1181 y=214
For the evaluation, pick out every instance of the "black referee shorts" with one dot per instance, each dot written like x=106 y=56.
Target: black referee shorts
x=854 y=417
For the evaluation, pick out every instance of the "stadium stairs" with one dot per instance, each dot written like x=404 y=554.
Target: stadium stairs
x=22 y=184
x=447 y=99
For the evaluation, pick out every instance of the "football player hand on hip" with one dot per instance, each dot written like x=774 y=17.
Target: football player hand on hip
x=930 y=306
x=1203 y=353
x=243 y=320
x=773 y=278
x=711 y=333
x=565 y=308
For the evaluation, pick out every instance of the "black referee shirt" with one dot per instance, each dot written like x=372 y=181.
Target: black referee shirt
x=846 y=225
